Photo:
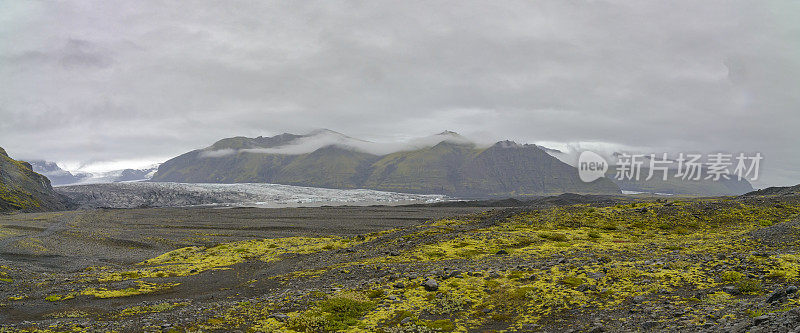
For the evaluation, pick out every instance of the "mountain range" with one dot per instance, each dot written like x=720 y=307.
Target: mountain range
x=446 y=163
x=677 y=186
x=23 y=189
x=59 y=176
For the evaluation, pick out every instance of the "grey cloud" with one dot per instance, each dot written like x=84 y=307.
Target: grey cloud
x=323 y=138
x=94 y=81
x=81 y=53
x=217 y=153
x=72 y=54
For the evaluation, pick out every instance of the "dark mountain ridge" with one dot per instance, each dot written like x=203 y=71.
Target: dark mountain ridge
x=452 y=167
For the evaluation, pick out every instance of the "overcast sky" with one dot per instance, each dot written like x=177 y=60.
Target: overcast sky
x=133 y=82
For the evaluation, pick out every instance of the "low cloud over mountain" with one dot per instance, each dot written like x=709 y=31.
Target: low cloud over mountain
x=94 y=81
x=445 y=163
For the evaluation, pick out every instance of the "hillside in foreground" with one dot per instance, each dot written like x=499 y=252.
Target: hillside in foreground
x=23 y=189
x=716 y=265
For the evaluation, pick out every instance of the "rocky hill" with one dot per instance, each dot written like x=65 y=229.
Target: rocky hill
x=778 y=190
x=446 y=164
x=23 y=189
x=677 y=186
x=690 y=265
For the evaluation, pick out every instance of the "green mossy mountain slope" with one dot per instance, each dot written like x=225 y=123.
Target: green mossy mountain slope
x=452 y=168
x=25 y=190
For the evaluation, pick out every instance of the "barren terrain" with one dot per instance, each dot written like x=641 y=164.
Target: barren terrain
x=716 y=264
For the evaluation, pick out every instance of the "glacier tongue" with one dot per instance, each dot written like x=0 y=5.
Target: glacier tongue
x=151 y=194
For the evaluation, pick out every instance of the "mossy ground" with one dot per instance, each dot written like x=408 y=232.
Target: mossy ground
x=660 y=265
